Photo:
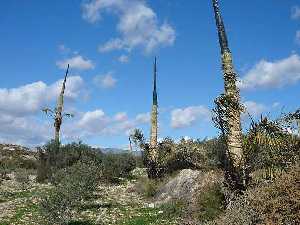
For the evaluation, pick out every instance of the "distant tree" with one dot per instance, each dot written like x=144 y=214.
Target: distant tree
x=57 y=114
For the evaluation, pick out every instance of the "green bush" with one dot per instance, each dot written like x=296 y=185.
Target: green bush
x=186 y=154
x=115 y=166
x=22 y=177
x=173 y=209
x=210 y=203
x=268 y=203
x=73 y=185
x=4 y=170
x=147 y=187
x=53 y=157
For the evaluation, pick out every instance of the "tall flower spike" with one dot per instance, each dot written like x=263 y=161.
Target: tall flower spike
x=153 y=136
x=221 y=28
x=232 y=105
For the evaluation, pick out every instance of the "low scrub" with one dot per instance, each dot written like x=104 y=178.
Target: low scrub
x=147 y=187
x=116 y=166
x=274 y=202
x=72 y=187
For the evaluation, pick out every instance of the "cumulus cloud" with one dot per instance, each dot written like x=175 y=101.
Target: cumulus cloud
x=254 y=109
x=143 y=118
x=186 y=117
x=96 y=122
x=138 y=25
x=122 y=116
x=295 y=12
x=105 y=81
x=32 y=97
x=26 y=131
x=76 y=62
x=275 y=74
x=19 y=108
x=123 y=59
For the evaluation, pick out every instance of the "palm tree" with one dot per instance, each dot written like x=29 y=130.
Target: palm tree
x=57 y=114
x=231 y=98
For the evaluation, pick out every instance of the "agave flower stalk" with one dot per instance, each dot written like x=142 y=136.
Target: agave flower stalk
x=154 y=113
x=57 y=114
x=232 y=107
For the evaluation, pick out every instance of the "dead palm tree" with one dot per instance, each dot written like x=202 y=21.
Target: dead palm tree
x=57 y=114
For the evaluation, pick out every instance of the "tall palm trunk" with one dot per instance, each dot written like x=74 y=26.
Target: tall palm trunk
x=234 y=136
x=232 y=107
x=59 y=109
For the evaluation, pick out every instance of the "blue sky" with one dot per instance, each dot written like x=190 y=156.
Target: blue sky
x=110 y=45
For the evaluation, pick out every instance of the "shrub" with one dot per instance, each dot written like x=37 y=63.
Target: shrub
x=4 y=170
x=115 y=166
x=210 y=203
x=269 y=203
x=186 y=154
x=173 y=209
x=22 y=177
x=53 y=157
x=27 y=163
x=72 y=186
x=147 y=187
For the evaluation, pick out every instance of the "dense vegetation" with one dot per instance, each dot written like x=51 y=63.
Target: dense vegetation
x=74 y=172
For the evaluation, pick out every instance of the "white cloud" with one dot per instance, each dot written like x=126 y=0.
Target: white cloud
x=93 y=121
x=272 y=74
x=122 y=116
x=76 y=62
x=254 y=109
x=295 y=12
x=21 y=121
x=186 y=117
x=20 y=109
x=23 y=130
x=123 y=59
x=96 y=122
x=32 y=97
x=138 y=25
x=105 y=81
x=143 y=118
x=113 y=44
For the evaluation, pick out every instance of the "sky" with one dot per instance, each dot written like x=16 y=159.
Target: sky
x=110 y=46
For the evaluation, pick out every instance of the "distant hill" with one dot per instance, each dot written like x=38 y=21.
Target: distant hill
x=119 y=151
x=16 y=155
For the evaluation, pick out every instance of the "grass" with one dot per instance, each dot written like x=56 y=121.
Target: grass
x=163 y=215
x=210 y=204
x=23 y=206
x=86 y=222
x=20 y=213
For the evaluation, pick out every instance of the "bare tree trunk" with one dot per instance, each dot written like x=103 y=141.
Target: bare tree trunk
x=232 y=106
x=234 y=136
x=57 y=125
x=59 y=109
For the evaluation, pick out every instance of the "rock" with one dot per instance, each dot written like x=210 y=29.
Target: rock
x=151 y=205
x=139 y=172
x=186 y=185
